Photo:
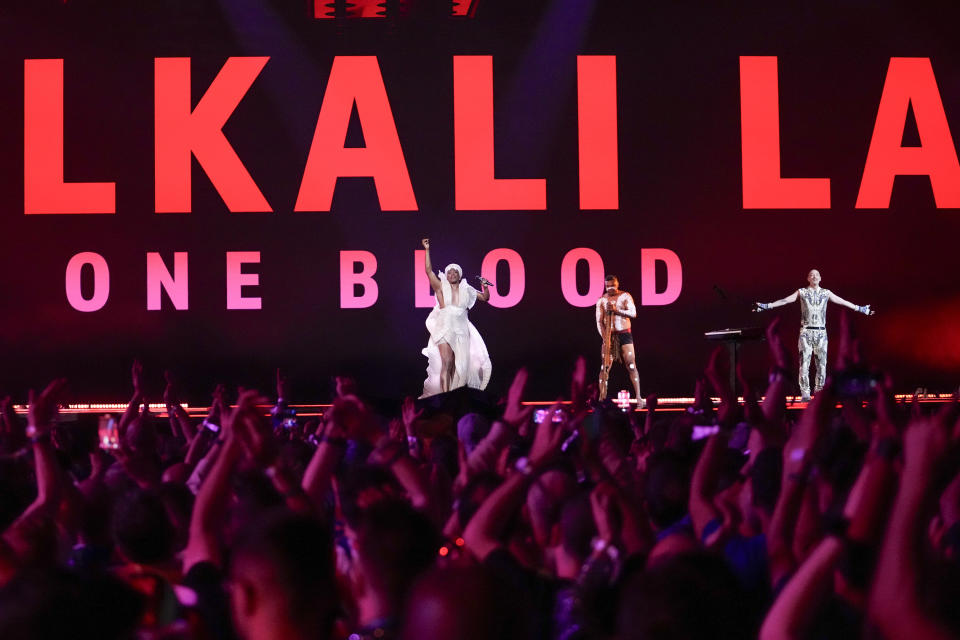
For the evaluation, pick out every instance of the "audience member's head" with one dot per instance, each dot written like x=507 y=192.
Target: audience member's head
x=19 y=489
x=461 y=603
x=42 y=604
x=765 y=476
x=141 y=435
x=178 y=501
x=363 y=487
x=282 y=579
x=94 y=521
x=471 y=429
x=616 y=432
x=687 y=596
x=394 y=544
x=838 y=458
x=667 y=489
x=577 y=528
x=444 y=453
x=142 y=531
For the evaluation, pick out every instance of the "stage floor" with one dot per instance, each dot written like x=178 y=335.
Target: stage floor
x=667 y=404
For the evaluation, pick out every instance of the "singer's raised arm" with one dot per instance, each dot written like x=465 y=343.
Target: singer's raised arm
x=428 y=266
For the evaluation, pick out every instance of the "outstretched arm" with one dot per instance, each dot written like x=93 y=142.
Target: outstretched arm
x=702 y=508
x=40 y=422
x=319 y=474
x=210 y=507
x=391 y=454
x=133 y=408
x=774 y=407
x=800 y=600
x=428 y=266
x=179 y=420
x=515 y=416
x=797 y=464
x=865 y=309
x=483 y=533
x=703 y=482
x=763 y=306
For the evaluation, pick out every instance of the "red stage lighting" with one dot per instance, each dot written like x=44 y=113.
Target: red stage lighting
x=331 y=9
x=465 y=8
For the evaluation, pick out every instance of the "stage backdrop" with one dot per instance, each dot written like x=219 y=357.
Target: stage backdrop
x=220 y=188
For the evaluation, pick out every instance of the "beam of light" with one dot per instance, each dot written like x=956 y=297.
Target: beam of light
x=543 y=71
x=259 y=30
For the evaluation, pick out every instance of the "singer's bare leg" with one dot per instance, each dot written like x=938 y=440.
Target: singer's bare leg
x=630 y=362
x=448 y=366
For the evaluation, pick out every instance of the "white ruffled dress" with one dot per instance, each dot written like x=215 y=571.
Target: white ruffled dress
x=451 y=325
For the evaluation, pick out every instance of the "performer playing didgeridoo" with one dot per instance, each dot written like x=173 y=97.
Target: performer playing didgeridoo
x=615 y=308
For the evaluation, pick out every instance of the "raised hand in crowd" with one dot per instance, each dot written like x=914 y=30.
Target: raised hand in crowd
x=898 y=605
x=180 y=423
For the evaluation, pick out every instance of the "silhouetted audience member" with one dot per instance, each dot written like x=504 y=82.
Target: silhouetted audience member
x=393 y=544
x=43 y=604
x=282 y=580
x=689 y=596
x=466 y=603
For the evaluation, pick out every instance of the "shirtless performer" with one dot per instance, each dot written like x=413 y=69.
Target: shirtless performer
x=618 y=306
x=813 y=327
x=456 y=354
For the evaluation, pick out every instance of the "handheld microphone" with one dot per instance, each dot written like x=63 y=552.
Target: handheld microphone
x=485 y=281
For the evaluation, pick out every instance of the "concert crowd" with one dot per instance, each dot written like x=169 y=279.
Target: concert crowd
x=581 y=521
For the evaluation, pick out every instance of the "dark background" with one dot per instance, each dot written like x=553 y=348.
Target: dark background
x=680 y=188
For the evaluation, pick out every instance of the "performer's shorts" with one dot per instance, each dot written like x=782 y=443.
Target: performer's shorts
x=624 y=337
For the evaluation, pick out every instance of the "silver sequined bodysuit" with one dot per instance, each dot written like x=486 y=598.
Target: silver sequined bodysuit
x=813 y=307
x=813 y=336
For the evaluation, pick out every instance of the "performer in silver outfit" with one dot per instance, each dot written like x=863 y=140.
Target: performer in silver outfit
x=813 y=327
